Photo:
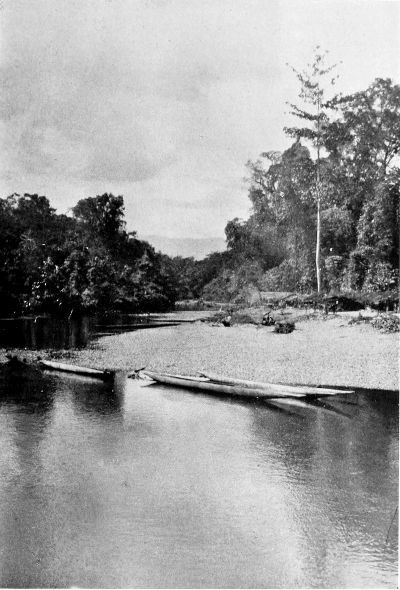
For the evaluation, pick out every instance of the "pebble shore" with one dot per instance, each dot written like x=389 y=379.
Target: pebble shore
x=323 y=351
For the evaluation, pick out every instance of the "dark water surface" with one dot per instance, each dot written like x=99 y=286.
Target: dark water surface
x=36 y=332
x=46 y=331
x=145 y=486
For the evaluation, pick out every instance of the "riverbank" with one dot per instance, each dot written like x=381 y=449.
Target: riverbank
x=321 y=351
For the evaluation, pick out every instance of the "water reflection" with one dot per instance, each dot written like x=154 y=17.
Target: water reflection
x=93 y=396
x=345 y=471
x=26 y=403
x=125 y=485
x=38 y=332
x=28 y=390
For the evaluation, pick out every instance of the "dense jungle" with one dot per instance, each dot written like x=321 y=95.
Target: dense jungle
x=324 y=217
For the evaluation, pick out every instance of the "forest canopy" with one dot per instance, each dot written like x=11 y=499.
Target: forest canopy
x=324 y=216
x=84 y=262
x=343 y=174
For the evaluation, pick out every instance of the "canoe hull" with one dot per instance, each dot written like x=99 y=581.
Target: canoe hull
x=85 y=371
x=207 y=386
x=308 y=390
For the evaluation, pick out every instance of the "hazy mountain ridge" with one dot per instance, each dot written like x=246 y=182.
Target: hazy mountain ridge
x=198 y=248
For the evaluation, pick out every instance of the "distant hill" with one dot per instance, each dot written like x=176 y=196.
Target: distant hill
x=186 y=247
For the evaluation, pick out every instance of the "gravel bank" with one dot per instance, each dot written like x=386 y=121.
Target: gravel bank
x=320 y=351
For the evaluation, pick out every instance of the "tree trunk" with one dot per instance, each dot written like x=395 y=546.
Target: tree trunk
x=318 y=187
x=318 y=245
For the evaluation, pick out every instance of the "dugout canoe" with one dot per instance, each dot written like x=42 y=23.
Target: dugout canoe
x=85 y=371
x=206 y=385
x=306 y=390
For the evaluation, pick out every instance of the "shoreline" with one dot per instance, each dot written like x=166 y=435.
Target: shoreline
x=320 y=351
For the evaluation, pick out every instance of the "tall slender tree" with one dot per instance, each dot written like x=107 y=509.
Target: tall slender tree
x=314 y=82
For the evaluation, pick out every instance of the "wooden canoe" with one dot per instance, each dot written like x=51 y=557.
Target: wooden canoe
x=86 y=371
x=307 y=390
x=208 y=386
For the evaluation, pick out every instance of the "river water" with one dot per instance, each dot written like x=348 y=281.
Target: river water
x=153 y=487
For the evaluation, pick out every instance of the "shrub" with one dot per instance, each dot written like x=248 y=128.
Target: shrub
x=284 y=327
x=334 y=266
x=386 y=322
x=380 y=277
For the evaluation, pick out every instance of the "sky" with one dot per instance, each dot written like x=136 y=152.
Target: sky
x=164 y=101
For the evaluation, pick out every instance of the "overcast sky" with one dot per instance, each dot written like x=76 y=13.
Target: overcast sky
x=164 y=101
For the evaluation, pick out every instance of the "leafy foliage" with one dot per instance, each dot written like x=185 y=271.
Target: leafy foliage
x=59 y=264
x=338 y=196
x=386 y=323
x=357 y=198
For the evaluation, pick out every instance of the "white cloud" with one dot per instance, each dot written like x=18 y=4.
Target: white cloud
x=164 y=101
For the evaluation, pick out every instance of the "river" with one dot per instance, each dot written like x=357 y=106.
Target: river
x=153 y=487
